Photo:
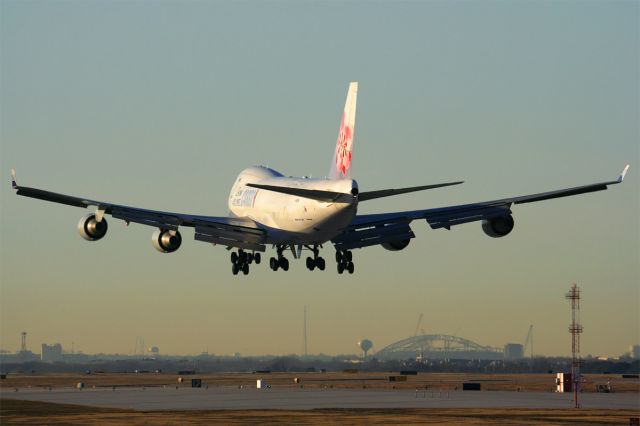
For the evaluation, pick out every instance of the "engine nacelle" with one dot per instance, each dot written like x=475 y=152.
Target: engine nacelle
x=164 y=242
x=499 y=226
x=90 y=229
x=396 y=245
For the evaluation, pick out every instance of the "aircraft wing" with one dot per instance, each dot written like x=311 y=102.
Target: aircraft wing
x=227 y=231
x=373 y=229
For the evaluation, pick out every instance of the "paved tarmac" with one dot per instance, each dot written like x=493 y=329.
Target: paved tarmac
x=232 y=398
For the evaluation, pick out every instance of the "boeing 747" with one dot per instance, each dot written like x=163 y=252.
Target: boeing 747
x=268 y=208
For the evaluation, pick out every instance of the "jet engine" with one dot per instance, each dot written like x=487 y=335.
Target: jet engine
x=396 y=245
x=499 y=226
x=164 y=242
x=90 y=229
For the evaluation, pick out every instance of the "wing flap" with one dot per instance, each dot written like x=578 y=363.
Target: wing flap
x=233 y=234
x=230 y=243
x=149 y=218
x=449 y=219
x=358 y=238
x=240 y=238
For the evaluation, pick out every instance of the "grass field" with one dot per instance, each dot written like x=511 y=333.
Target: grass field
x=16 y=412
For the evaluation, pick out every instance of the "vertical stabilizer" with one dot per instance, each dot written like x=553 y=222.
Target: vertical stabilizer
x=341 y=161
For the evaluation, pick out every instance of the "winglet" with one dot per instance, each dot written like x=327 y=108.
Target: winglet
x=623 y=174
x=14 y=185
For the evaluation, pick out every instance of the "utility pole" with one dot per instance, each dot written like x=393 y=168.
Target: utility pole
x=575 y=329
x=304 y=332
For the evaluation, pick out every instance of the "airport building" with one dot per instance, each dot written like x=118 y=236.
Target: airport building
x=513 y=351
x=51 y=353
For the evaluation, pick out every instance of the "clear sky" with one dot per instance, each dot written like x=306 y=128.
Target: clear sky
x=160 y=104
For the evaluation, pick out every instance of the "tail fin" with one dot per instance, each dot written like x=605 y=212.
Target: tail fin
x=341 y=163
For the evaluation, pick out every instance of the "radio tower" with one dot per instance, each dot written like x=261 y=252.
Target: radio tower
x=575 y=329
x=23 y=345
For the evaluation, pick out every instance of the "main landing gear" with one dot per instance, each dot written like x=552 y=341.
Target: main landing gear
x=241 y=260
x=316 y=261
x=281 y=262
x=345 y=261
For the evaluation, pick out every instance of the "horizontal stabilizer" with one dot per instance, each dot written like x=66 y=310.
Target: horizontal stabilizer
x=370 y=195
x=314 y=194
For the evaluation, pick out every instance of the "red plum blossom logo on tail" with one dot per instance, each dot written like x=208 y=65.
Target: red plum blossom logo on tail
x=343 y=151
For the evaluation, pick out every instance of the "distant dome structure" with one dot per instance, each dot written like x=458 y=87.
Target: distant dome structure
x=154 y=350
x=365 y=345
x=438 y=346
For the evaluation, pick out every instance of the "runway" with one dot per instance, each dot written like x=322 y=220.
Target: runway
x=233 y=398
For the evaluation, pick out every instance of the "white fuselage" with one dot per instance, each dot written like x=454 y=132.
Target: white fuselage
x=290 y=218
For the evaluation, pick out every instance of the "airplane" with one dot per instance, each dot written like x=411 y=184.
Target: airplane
x=296 y=214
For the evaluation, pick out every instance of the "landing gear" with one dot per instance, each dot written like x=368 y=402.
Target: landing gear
x=241 y=260
x=280 y=262
x=345 y=261
x=316 y=261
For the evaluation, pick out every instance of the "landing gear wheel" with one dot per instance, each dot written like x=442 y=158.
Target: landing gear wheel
x=350 y=267
x=311 y=264
x=340 y=268
x=245 y=268
x=256 y=258
x=235 y=269
x=320 y=263
x=338 y=257
x=273 y=263
x=284 y=263
x=349 y=256
x=234 y=257
x=249 y=258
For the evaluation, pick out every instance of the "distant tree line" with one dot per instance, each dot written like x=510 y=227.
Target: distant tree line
x=292 y=363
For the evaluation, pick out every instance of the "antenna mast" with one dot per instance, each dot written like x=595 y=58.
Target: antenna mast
x=575 y=329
